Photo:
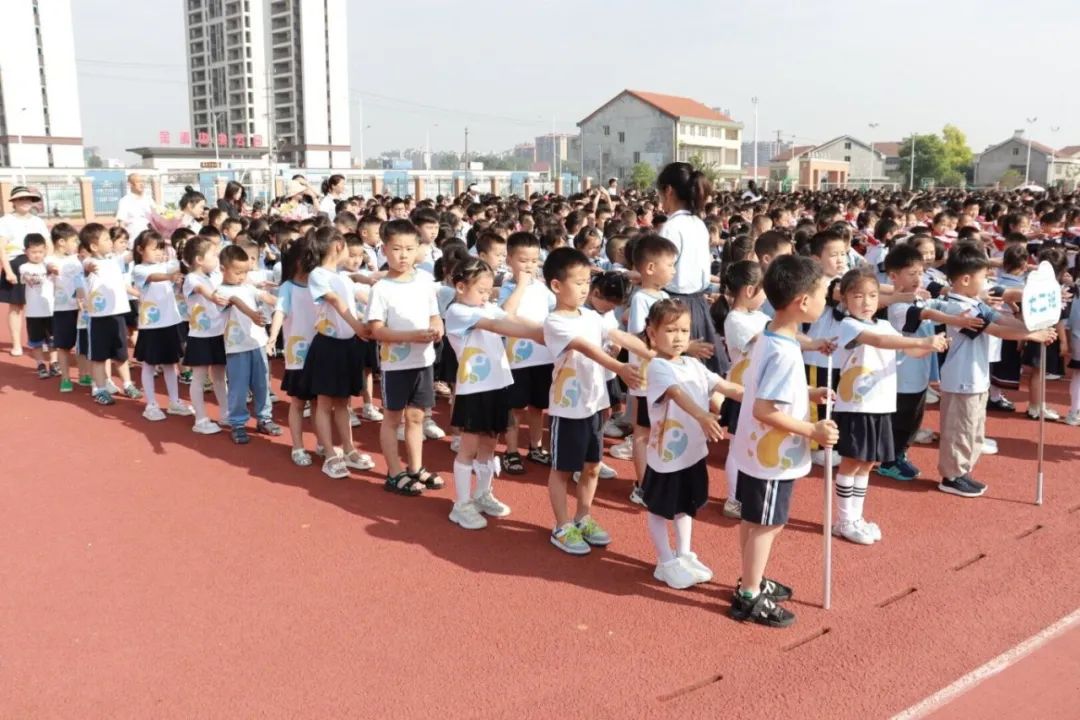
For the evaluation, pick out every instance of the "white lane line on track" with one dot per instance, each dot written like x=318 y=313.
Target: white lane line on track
x=1001 y=662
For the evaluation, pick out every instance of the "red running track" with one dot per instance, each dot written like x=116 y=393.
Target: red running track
x=151 y=572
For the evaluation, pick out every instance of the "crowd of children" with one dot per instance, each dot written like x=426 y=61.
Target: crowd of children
x=585 y=312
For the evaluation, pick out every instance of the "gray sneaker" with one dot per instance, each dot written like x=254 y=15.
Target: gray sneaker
x=592 y=533
x=568 y=539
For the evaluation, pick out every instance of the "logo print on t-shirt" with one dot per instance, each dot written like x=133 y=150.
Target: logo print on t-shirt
x=325 y=327
x=738 y=370
x=566 y=388
x=771 y=452
x=474 y=366
x=519 y=350
x=149 y=313
x=855 y=383
x=199 y=319
x=394 y=352
x=296 y=350
x=234 y=334
x=671 y=440
x=98 y=301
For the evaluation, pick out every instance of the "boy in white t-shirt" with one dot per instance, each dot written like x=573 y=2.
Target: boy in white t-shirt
x=68 y=293
x=771 y=443
x=403 y=315
x=34 y=275
x=576 y=336
x=246 y=367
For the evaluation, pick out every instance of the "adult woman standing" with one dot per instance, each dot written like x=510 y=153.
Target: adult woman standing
x=232 y=202
x=333 y=190
x=14 y=228
x=192 y=209
x=683 y=194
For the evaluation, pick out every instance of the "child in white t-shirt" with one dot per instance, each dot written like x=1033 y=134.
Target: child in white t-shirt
x=682 y=394
x=65 y=267
x=246 y=367
x=108 y=306
x=158 y=343
x=866 y=398
x=204 y=352
x=40 y=300
x=830 y=250
x=475 y=328
x=403 y=315
x=576 y=336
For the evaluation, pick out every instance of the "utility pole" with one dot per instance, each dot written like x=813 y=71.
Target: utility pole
x=467 y=156
x=1027 y=165
x=755 y=101
x=911 y=185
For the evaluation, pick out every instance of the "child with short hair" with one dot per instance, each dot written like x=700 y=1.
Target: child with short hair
x=246 y=366
x=771 y=444
x=576 y=336
x=108 y=306
x=69 y=291
x=403 y=315
x=608 y=294
x=159 y=343
x=531 y=363
x=965 y=376
x=829 y=250
x=204 y=352
x=492 y=249
x=40 y=301
x=615 y=249
x=866 y=398
x=474 y=328
x=682 y=393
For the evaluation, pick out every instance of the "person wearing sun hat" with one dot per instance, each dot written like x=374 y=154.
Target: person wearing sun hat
x=14 y=227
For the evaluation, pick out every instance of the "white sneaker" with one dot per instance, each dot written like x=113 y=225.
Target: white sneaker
x=153 y=413
x=455 y=443
x=353 y=420
x=1053 y=376
x=990 y=447
x=180 y=409
x=370 y=412
x=733 y=509
x=674 y=574
x=637 y=496
x=206 y=426
x=932 y=397
x=307 y=409
x=1048 y=412
x=624 y=450
x=612 y=430
x=854 y=531
x=698 y=569
x=875 y=531
x=358 y=461
x=468 y=516
x=432 y=431
x=491 y=505
x=111 y=387
x=401 y=433
x=1073 y=418
x=606 y=473
x=924 y=436
x=818 y=458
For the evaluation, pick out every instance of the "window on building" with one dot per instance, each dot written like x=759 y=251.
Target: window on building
x=847 y=146
x=607 y=130
x=847 y=158
x=622 y=137
x=731 y=157
x=731 y=134
x=637 y=157
x=1016 y=151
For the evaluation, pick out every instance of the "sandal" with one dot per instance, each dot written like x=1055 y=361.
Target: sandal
x=540 y=455
x=301 y=458
x=511 y=463
x=102 y=397
x=431 y=482
x=335 y=467
x=403 y=484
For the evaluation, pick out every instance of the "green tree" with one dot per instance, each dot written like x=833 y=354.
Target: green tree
x=1011 y=178
x=642 y=176
x=930 y=159
x=710 y=170
x=958 y=156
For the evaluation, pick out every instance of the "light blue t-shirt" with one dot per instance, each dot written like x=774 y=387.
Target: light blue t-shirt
x=913 y=373
x=966 y=370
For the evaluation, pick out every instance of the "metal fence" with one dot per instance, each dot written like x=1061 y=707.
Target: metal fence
x=59 y=199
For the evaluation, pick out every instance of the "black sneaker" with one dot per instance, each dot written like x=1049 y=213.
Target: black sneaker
x=761 y=610
x=54 y=370
x=43 y=371
x=961 y=486
x=240 y=436
x=975 y=483
x=1001 y=405
x=776 y=591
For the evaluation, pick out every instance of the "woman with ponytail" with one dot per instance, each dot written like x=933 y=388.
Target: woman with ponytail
x=683 y=194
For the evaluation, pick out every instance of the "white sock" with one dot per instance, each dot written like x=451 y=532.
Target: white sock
x=658 y=531
x=221 y=394
x=148 y=384
x=172 y=383
x=484 y=472
x=683 y=529
x=462 y=482
x=845 y=490
x=1074 y=392
x=732 y=472
x=862 y=482
x=198 y=379
x=996 y=394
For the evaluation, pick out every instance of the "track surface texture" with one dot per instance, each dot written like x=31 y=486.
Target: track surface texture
x=151 y=572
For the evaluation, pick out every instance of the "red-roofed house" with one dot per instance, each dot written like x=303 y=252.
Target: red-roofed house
x=636 y=126
x=1048 y=167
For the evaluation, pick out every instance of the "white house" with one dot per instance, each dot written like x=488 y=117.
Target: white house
x=1047 y=167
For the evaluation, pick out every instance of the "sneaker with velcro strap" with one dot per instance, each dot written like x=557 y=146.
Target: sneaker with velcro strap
x=568 y=539
x=760 y=609
x=592 y=533
x=776 y=591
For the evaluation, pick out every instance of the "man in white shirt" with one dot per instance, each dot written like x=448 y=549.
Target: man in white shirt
x=133 y=210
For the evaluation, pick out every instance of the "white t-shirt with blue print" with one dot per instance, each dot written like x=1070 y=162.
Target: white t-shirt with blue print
x=482 y=362
x=536 y=304
x=676 y=441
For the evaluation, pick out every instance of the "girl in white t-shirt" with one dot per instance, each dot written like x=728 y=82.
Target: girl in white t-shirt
x=204 y=352
x=159 y=322
x=866 y=397
x=475 y=328
x=742 y=320
x=334 y=365
x=682 y=395
x=295 y=316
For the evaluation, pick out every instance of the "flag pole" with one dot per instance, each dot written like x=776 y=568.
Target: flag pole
x=827 y=523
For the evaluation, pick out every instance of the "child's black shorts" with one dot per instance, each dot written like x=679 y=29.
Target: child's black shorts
x=532 y=387
x=414 y=387
x=764 y=502
x=38 y=331
x=64 y=327
x=575 y=442
x=108 y=338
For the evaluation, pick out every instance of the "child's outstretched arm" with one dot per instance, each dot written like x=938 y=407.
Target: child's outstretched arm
x=912 y=346
x=511 y=326
x=823 y=432
x=377 y=330
x=728 y=389
x=342 y=309
x=630 y=342
x=242 y=306
x=704 y=418
x=275 y=328
x=630 y=375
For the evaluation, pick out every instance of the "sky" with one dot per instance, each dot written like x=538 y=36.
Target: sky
x=510 y=71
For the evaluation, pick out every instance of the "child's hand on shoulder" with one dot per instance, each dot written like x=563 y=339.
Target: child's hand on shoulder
x=821 y=395
x=825 y=346
x=825 y=433
x=631 y=375
x=939 y=343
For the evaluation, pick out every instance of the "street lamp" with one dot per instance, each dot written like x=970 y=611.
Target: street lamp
x=870 y=182
x=1027 y=165
x=911 y=183
x=754 y=100
x=22 y=153
x=1050 y=171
